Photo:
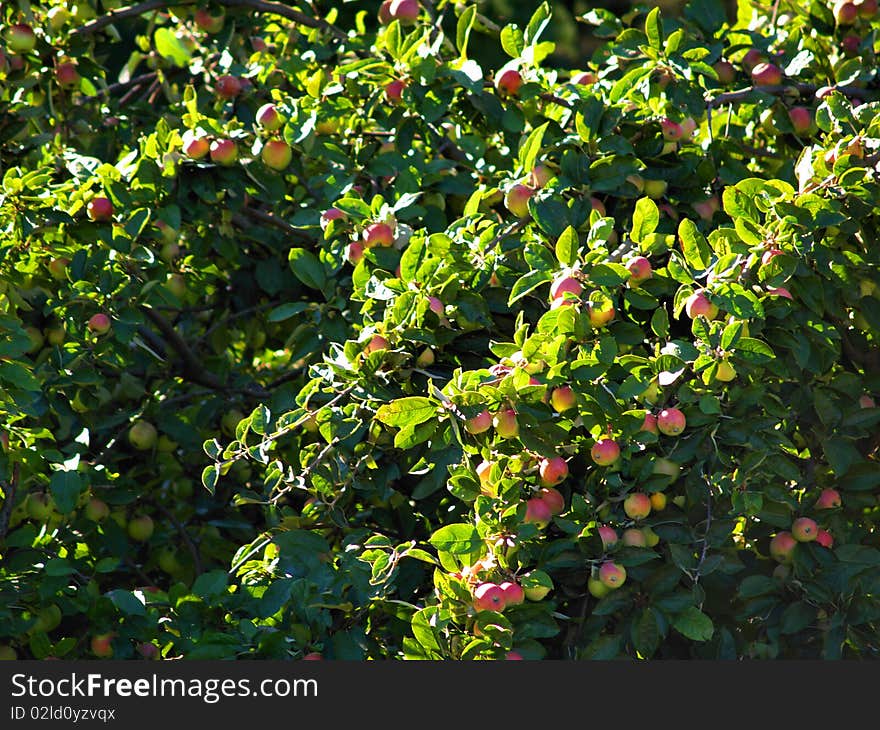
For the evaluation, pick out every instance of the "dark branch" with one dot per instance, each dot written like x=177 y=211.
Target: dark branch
x=10 y=489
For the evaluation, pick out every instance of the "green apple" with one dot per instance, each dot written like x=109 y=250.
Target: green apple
x=142 y=435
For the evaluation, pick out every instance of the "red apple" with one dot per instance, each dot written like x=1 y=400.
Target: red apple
x=227 y=86
x=99 y=209
x=385 y=12
x=726 y=72
x=269 y=118
x=866 y=401
x=845 y=13
x=101 y=645
x=599 y=314
x=506 y=425
x=671 y=421
x=752 y=58
x=313 y=656
x=276 y=154
x=99 y=323
x=224 y=151
x=672 y=131
x=480 y=423
x=394 y=91
x=553 y=499
x=605 y=452
x=378 y=234
x=780 y=291
x=489 y=597
x=766 y=74
x=612 y=575
x=804 y=529
x=650 y=424
x=801 y=119
x=509 y=82
x=376 y=343
x=207 y=22
x=867 y=8
x=639 y=269
x=637 y=506
x=517 y=199
x=850 y=45
x=436 y=306
x=585 y=78
x=828 y=499
x=513 y=593
x=598 y=206
x=552 y=471
x=608 y=536
x=195 y=144
x=513 y=656
x=66 y=75
x=148 y=650
x=405 y=11
x=540 y=176
x=562 y=398
x=633 y=537
x=538 y=512
x=331 y=214
x=565 y=284
x=354 y=252
x=707 y=208
x=782 y=547
x=699 y=305
x=824 y=538
x=20 y=38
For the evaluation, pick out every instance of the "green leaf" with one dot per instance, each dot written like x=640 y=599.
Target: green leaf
x=530 y=149
x=457 y=539
x=169 y=46
x=407 y=411
x=512 y=40
x=694 y=624
x=210 y=475
x=286 y=311
x=797 y=617
x=306 y=267
x=463 y=29
x=646 y=633
x=654 y=29
x=211 y=584
x=526 y=284
x=645 y=219
x=567 y=247
x=660 y=322
x=127 y=602
x=694 y=246
x=65 y=487
x=423 y=630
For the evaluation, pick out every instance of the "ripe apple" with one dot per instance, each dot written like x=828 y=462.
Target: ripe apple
x=850 y=45
x=801 y=119
x=782 y=547
x=637 y=506
x=612 y=575
x=99 y=323
x=517 y=199
x=658 y=501
x=598 y=206
x=514 y=656
x=142 y=435
x=553 y=499
x=378 y=234
x=828 y=499
x=600 y=314
x=97 y=510
x=405 y=11
x=489 y=597
x=376 y=343
x=538 y=513
x=585 y=78
x=845 y=13
x=699 y=305
x=672 y=131
x=605 y=452
x=66 y=75
x=633 y=537
x=608 y=536
x=752 y=58
x=565 y=284
x=514 y=595
x=780 y=291
x=140 y=528
x=20 y=38
x=436 y=306
x=725 y=372
x=726 y=72
x=597 y=588
x=58 y=268
x=540 y=176
x=509 y=82
x=99 y=209
x=331 y=214
x=867 y=8
x=394 y=91
x=562 y=398
x=208 y=22
x=148 y=650
x=313 y=656
x=195 y=144
x=426 y=358
x=224 y=151
x=228 y=86
x=101 y=645
x=552 y=471
x=276 y=153
x=824 y=538
x=384 y=14
x=506 y=425
x=671 y=421
x=269 y=118
x=803 y=529
x=639 y=270
x=650 y=423
x=766 y=74
x=480 y=423
x=707 y=208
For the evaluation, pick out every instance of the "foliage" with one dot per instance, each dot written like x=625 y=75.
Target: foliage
x=313 y=479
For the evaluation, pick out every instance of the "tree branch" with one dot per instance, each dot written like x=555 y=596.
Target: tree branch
x=272 y=220
x=10 y=489
x=259 y=6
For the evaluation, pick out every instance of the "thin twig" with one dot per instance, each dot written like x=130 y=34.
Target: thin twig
x=272 y=220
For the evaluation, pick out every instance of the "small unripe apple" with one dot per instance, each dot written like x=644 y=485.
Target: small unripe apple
x=552 y=471
x=655 y=189
x=58 y=268
x=658 y=501
x=782 y=547
x=142 y=435
x=540 y=176
x=553 y=499
x=633 y=537
x=565 y=284
x=96 y=510
x=269 y=118
x=99 y=209
x=804 y=529
x=66 y=75
x=228 y=86
x=824 y=538
x=608 y=536
x=596 y=588
x=506 y=425
x=766 y=74
x=376 y=343
x=517 y=199
x=801 y=119
x=58 y=16
x=480 y=423
x=20 y=38
x=828 y=499
x=671 y=421
x=699 y=305
x=639 y=269
x=425 y=358
x=394 y=91
x=612 y=575
x=514 y=595
x=538 y=512
x=651 y=538
x=562 y=398
x=509 y=82
x=652 y=393
x=725 y=372
x=224 y=151
x=7 y=653
x=39 y=506
x=101 y=645
x=637 y=181
x=605 y=452
x=536 y=585
x=56 y=335
x=99 y=323
x=489 y=597
x=276 y=153
x=637 y=506
x=405 y=11
x=726 y=72
x=378 y=234
x=140 y=528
